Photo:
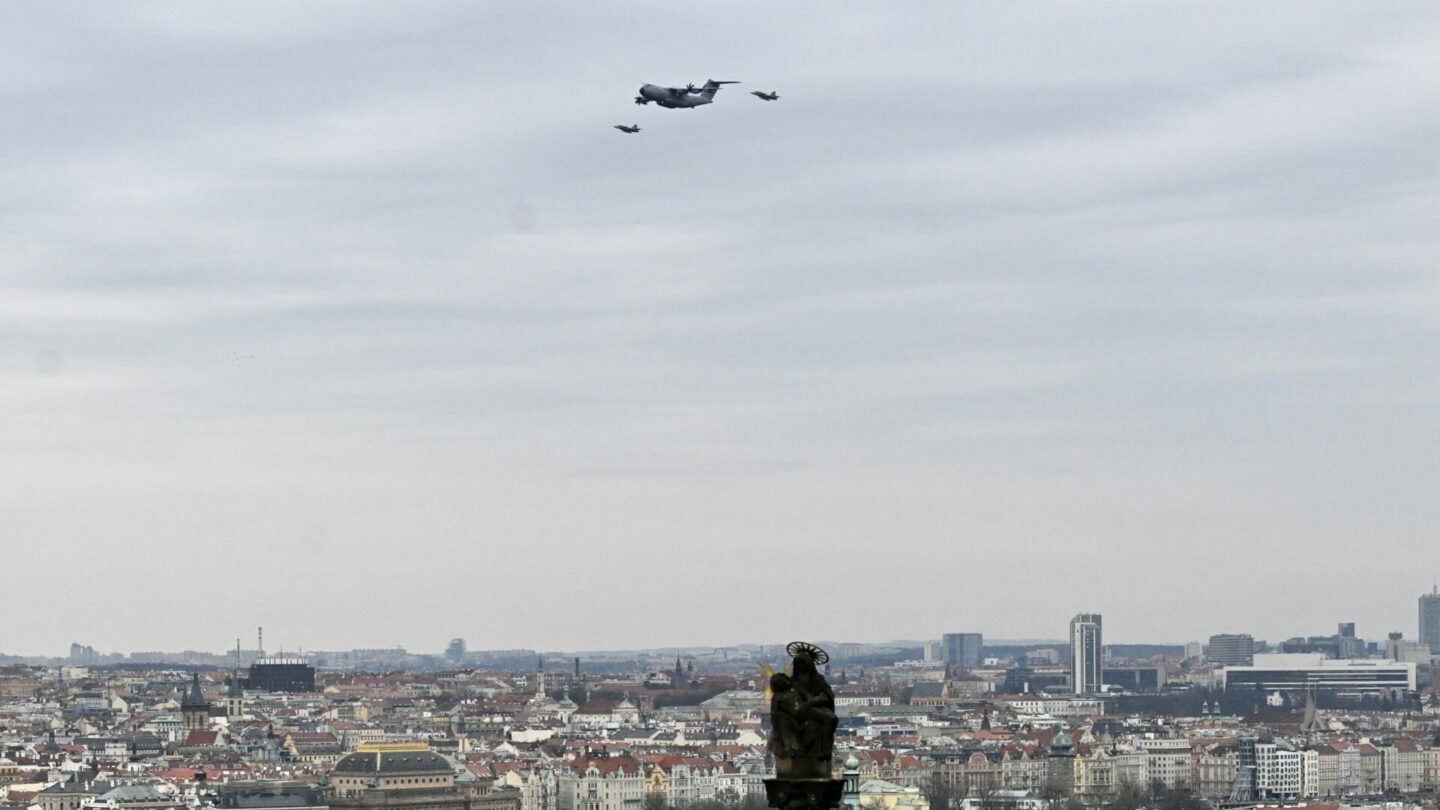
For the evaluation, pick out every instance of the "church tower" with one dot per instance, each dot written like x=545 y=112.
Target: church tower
x=195 y=709
x=235 y=695
x=850 y=792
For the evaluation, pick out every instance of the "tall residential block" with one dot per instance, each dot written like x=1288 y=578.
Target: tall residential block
x=1087 y=654
x=1430 y=620
x=1231 y=650
x=962 y=649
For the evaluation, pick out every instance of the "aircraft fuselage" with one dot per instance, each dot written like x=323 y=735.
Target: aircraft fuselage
x=673 y=97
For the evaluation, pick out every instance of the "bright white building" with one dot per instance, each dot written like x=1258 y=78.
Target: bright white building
x=1278 y=772
x=1299 y=671
x=1310 y=773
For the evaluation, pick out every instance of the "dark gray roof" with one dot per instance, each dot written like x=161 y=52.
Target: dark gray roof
x=93 y=741
x=254 y=795
x=195 y=698
x=133 y=793
x=74 y=783
x=388 y=762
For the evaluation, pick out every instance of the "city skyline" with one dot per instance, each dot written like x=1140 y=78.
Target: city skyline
x=404 y=734
x=943 y=640
x=359 y=320
x=280 y=640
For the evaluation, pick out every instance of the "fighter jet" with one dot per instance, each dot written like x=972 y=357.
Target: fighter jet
x=770 y=96
x=630 y=130
x=677 y=97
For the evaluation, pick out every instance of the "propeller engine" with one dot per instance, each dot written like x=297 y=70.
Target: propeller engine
x=641 y=100
x=690 y=88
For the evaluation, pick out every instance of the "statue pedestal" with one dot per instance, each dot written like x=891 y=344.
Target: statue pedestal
x=804 y=794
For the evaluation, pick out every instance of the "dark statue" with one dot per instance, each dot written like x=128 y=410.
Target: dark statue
x=802 y=716
x=802 y=733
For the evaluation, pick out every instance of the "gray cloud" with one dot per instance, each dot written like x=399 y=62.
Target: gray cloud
x=1004 y=312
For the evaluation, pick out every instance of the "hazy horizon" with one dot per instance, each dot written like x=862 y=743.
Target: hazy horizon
x=658 y=649
x=359 y=321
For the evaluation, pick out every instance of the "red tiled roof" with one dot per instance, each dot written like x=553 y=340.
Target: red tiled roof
x=200 y=737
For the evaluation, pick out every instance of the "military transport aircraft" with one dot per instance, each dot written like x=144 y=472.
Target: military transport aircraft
x=770 y=96
x=677 y=97
x=630 y=130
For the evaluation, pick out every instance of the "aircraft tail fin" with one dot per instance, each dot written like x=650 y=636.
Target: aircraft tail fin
x=708 y=91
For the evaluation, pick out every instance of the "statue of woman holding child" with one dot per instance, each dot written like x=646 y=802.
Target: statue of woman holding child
x=802 y=716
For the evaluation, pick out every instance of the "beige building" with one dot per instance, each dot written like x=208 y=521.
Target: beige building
x=1432 y=768
x=606 y=783
x=1214 y=771
x=877 y=794
x=1404 y=766
x=1094 y=776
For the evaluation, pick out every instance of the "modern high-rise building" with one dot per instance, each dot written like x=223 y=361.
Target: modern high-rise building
x=1231 y=649
x=1349 y=645
x=1087 y=654
x=1398 y=649
x=962 y=650
x=455 y=652
x=1430 y=620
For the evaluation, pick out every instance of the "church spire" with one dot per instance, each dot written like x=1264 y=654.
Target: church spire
x=194 y=708
x=195 y=698
x=235 y=690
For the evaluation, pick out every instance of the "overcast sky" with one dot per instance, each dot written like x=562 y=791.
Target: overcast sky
x=358 y=321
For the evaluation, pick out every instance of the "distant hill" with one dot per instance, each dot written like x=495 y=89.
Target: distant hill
x=1144 y=652
x=1120 y=652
